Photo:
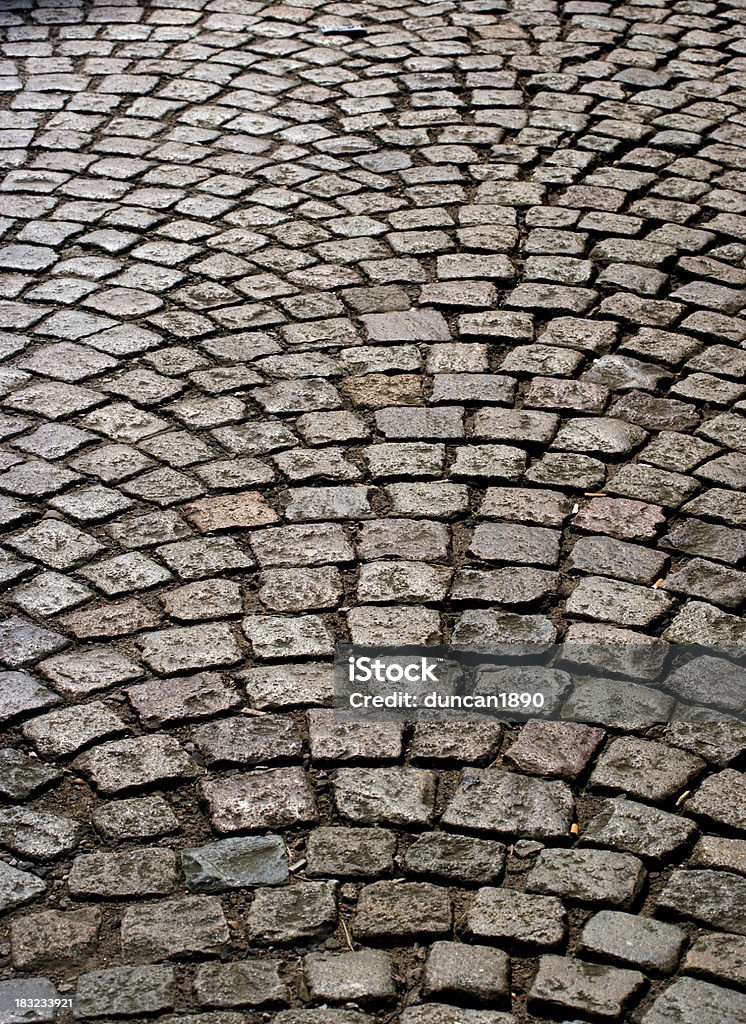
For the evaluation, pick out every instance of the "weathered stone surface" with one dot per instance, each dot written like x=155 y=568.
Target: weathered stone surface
x=455 y=970
x=306 y=911
x=27 y=989
x=21 y=695
x=159 y=703
x=588 y=876
x=718 y=956
x=137 y=873
x=637 y=828
x=389 y=796
x=125 y=992
x=51 y=937
x=257 y=800
x=18 y=887
x=641 y=768
x=188 y=926
x=250 y=983
x=361 y=977
x=720 y=799
x=235 y=863
x=573 y=986
x=714 y=898
x=38 y=835
x=688 y=1001
x=135 y=818
x=350 y=852
x=135 y=763
x=22 y=776
x=633 y=940
x=518 y=919
x=248 y=740
x=456 y=858
x=554 y=749
x=64 y=732
x=389 y=911
x=510 y=804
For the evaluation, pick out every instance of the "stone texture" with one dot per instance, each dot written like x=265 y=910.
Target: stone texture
x=423 y=331
x=510 y=804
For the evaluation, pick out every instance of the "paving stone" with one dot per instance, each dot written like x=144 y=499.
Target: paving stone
x=235 y=863
x=704 y=624
x=614 y=601
x=248 y=741
x=717 y=956
x=514 y=543
x=361 y=977
x=719 y=799
x=392 y=625
x=97 y=668
x=588 y=876
x=688 y=1000
x=510 y=804
x=18 y=887
x=637 y=828
x=276 y=636
x=391 y=911
x=199 y=696
x=187 y=926
x=609 y=437
x=456 y=858
x=350 y=852
x=716 y=852
x=24 y=642
x=620 y=517
x=393 y=796
x=502 y=586
x=306 y=911
x=256 y=800
x=439 y=1013
x=134 y=763
x=454 y=970
x=229 y=511
x=713 y=898
x=294 y=684
x=548 y=508
x=24 y=989
x=38 y=835
x=397 y=538
x=52 y=937
x=142 y=817
x=644 y=769
x=633 y=940
x=187 y=648
x=250 y=983
x=22 y=776
x=105 y=875
x=125 y=991
x=571 y=985
x=520 y=920
x=485 y=629
x=554 y=749
x=204 y=599
x=330 y=1015
x=333 y=739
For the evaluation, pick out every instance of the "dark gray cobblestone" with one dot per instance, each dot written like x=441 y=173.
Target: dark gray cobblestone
x=424 y=331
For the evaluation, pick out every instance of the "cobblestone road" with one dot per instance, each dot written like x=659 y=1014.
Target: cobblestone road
x=427 y=332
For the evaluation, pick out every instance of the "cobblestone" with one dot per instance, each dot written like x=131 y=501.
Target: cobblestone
x=427 y=331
